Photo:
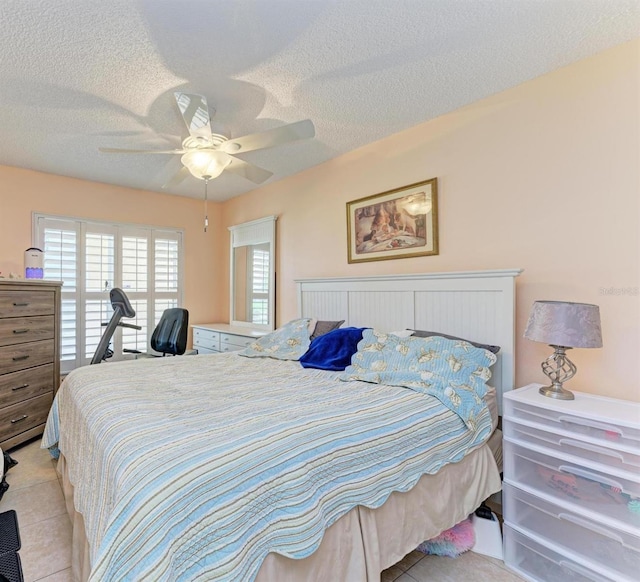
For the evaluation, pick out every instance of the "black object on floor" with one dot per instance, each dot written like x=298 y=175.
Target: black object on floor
x=8 y=463
x=10 y=567
x=9 y=533
x=484 y=511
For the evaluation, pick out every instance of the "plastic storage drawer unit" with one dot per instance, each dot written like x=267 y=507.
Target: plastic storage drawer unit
x=565 y=478
x=579 y=418
x=617 y=456
x=594 y=541
x=536 y=561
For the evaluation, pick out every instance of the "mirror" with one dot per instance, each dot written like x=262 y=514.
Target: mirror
x=253 y=274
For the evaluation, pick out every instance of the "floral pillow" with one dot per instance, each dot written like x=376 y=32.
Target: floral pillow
x=454 y=371
x=288 y=342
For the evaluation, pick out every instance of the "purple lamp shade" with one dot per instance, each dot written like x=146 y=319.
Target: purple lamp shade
x=561 y=323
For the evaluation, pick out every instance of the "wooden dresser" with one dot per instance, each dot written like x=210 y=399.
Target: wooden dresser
x=29 y=357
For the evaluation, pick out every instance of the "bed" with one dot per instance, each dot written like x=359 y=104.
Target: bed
x=136 y=482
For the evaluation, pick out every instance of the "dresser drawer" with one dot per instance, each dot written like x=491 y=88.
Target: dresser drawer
x=206 y=338
x=592 y=540
x=19 y=330
x=536 y=561
x=21 y=356
x=202 y=351
x=21 y=303
x=234 y=342
x=606 y=452
x=25 y=415
x=604 y=431
x=19 y=386
x=570 y=480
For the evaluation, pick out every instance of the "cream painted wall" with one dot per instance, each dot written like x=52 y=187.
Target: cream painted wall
x=542 y=177
x=23 y=192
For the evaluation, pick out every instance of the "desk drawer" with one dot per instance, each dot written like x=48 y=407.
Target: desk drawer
x=206 y=338
x=592 y=540
x=19 y=386
x=203 y=351
x=22 y=356
x=234 y=342
x=570 y=480
x=25 y=415
x=19 y=330
x=21 y=303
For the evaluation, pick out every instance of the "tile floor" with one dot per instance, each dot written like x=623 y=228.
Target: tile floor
x=35 y=493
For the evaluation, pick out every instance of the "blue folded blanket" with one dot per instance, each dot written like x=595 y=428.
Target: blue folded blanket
x=333 y=350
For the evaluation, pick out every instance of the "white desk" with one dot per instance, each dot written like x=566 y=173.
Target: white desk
x=212 y=338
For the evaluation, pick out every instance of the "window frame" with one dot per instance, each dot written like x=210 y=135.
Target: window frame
x=119 y=230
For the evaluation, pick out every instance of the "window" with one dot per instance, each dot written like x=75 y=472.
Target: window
x=91 y=258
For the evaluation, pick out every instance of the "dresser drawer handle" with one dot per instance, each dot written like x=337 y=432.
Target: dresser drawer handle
x=23 y=417
x=17 y=331
x=16 y=304
x=20 y=358
x=20 y=387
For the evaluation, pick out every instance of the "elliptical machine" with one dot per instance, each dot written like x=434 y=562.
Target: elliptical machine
x=121 y=308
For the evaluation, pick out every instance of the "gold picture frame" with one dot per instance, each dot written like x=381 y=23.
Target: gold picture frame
x=396 y=224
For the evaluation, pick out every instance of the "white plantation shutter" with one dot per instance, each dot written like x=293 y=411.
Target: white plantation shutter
x=59 y=241
x=99 y=251
x=91 y=258
x=259 y=286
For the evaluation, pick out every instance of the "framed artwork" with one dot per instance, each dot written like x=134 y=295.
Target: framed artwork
x=395 y=224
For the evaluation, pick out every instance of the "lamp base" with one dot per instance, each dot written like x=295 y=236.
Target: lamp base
x=556 y=391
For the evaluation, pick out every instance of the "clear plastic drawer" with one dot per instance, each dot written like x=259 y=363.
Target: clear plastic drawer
x=538 y=562
x=606 y=452
x=592 y=540
x=567 y=479
x=573 y=419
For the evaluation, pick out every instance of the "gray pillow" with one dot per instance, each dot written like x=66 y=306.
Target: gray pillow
x=323 y=327
x=422 y=333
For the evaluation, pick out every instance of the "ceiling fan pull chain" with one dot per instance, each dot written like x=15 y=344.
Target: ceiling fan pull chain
x=206 y=217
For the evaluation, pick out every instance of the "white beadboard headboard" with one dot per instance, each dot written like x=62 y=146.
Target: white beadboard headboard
x=475 y=305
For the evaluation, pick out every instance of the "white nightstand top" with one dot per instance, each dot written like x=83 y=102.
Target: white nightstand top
x=623 y=412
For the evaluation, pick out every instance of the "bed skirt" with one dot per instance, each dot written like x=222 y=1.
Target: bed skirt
x=365 y=541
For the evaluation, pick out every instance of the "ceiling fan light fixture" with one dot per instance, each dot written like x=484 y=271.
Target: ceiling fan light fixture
x=205 y=164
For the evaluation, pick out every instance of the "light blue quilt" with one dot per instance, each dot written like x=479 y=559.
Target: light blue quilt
x=196 y=468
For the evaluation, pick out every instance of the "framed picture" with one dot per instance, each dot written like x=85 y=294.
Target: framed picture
x=395 y=224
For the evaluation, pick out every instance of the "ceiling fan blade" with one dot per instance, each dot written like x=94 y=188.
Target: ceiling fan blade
x=272 y=137
x=195 y=113
x=177 y=178
x=249 y=171
x=121 y=151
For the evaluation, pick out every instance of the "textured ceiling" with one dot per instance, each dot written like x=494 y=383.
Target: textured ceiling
x=79 y=74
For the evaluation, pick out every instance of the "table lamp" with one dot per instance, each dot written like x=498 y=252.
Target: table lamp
x=563 y=325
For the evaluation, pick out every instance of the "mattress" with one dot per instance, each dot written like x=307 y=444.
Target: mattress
x=356 y=550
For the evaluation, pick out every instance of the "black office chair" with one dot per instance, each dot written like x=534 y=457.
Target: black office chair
x=170 y=335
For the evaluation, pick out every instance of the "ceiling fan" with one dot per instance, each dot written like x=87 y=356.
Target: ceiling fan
x=206 y=155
